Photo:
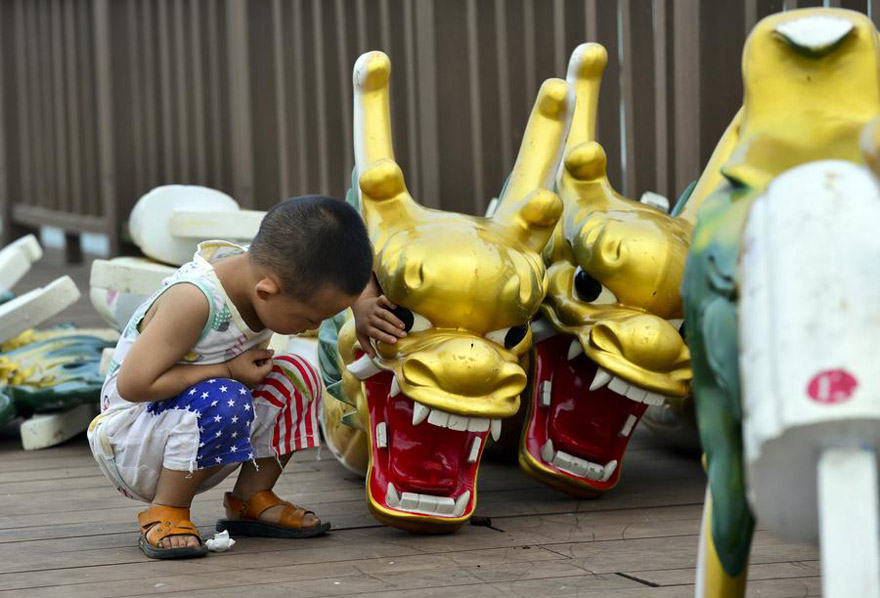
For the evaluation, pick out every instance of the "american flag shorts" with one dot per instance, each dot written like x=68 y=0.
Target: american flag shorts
x=217 y=422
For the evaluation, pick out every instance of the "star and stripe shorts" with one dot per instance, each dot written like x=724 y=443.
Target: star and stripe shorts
x=215 y=423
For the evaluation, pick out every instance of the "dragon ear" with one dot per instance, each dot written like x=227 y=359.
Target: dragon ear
x=526 y=204
x=386 y=204
x=585 y=68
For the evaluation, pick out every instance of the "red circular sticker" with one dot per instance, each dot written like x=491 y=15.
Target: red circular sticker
x=832 y=387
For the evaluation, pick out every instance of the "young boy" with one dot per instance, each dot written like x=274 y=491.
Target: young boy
x=192 y=393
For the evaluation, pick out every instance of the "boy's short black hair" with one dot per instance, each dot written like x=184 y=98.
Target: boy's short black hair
x=312 y=241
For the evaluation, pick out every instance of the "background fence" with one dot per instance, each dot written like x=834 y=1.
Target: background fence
x=104 y=99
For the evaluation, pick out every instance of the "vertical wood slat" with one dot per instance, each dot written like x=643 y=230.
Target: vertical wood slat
x=88 y=114
x=218 y=170
x=166 y=107
x=299 y=83
x=504 y=82
x=320 y=96
x=344 y=69
x=136 y=77
x=37 y=98
x=602 y=27
x=182 y=93
x=104 y=91
x=281 y=97
x=6 y=227
x=416 y=156
x=198 y=87
x=663 y=116
x=475 y=112
x=150 y=91
x=686 y=109
x=239 y=99
x=638 y=81
x=59 y=149
x=426 y=58
x=25 y=139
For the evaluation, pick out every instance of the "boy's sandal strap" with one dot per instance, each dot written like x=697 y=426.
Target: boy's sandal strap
x=291 y=516
x=160 y=522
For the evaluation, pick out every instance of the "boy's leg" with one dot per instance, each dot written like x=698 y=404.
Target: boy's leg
x=262 y=475
x=177 y=489
x=211 y=435
x=286 y=405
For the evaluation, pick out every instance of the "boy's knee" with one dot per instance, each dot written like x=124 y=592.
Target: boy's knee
x=221 y=398
x=298 y=372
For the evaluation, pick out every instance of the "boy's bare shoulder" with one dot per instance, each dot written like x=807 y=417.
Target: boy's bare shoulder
x=183 y=306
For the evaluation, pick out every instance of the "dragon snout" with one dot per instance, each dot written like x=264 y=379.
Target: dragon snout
x=647 y=341
x=466 y=367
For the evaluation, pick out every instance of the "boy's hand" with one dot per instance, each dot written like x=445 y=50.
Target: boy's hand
x=374 y=320
x=251 y=367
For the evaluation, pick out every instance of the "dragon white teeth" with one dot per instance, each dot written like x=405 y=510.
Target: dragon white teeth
x=547 y=452
x=575 y=349
x=395 y=387
x=478 y=424
x=382 y=435
x=461 y=503
x=634 y=393
x=444 y=419
x=496 y=429
x=676 y=323
x=546 y=393
x=653 y=398
x=392 y=498
x=439 y=418
x=609 y=470
x=420 y=413
x=425 y=504
x=457 y=422
x=576 y=465
x=475 y=450
x=363 y=368
x=625 y=389
x=618 y=386
x=602 y=378
x=627 y=428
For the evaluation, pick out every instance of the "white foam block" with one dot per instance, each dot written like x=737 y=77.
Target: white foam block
x=16 y=259
x=48 y=429
x=34 y=308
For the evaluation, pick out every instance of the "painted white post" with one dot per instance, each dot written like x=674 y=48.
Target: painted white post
x=848 y=523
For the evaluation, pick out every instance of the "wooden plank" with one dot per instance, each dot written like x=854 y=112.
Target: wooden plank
x=72 y=106
x=428 y=111
x=239 y=90
x=602 y=28
x=686 y=91
x=106 y=149
x=165 y=91
x=59 y=121
x=281 y=104
x=300 y=131
x=478 y=191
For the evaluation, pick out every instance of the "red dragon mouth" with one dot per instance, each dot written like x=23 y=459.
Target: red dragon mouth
x=576 y=437
x=424 y=464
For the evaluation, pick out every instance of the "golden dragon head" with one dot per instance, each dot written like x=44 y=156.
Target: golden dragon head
x=608 y=343
x=467 y=288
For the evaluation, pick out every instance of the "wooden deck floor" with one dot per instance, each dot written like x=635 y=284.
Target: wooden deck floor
x=65 y=533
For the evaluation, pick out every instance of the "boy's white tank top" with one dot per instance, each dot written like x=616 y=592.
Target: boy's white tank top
x=225 y=335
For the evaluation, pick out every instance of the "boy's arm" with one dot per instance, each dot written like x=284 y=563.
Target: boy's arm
x=373 y=318
x=150 y=371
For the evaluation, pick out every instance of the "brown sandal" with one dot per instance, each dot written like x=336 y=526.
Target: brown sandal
x=160 y=522
x=248 y=512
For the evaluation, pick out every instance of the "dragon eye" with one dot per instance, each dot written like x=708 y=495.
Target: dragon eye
x=412 y=322
x=509 y=337
x=591 y=290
